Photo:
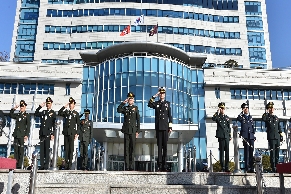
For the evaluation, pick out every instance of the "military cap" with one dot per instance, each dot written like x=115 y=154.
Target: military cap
x=72 y=100
x=49 y=100
x=130 y=95
x=244 y=105
x=270 y=105
x=23 y=103
x=221 y=105
x=86 y=111
x=162 y=90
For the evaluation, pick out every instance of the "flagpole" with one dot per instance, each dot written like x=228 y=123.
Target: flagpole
x=157 y=32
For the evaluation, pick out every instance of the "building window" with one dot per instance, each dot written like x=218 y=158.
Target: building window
x=37 y=122
x=3 y=150
x=260 y=94
x=26 y=88
x=68 y=89
x=217 y=92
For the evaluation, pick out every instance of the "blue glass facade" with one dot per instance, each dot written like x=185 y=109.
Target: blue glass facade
x=27 y=30
x=210 y=4
x=255 y=32
x=106 y=85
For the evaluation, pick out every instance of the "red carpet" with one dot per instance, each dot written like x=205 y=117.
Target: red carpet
x=7 y=163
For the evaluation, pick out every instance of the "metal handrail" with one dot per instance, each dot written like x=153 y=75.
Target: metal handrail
x=33 y=174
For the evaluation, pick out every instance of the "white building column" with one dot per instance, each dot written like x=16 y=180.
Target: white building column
x=180 y=157
x=105 y=156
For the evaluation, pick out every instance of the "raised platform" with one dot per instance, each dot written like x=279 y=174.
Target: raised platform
x=140 y=182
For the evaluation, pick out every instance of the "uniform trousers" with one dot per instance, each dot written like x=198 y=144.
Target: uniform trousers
x=19 y=151
x=248 y=153
x=224 y=147
x=44 y=152
x=69 y=149
x=129 y=145
x=274 y=153
x=162 y=139
x=84 y=153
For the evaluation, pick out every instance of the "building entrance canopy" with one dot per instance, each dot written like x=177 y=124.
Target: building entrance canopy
x=164 y=50
x=110 y=132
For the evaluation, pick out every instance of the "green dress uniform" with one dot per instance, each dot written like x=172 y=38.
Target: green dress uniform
x=47 y=119
x=22 y=129
x=223 y=133
x=163 y=123
x=85 y=136
x=130 y=127
x=274 y=135
x=70 y=128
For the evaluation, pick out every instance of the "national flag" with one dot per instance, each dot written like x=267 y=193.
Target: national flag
x=154 y=30
x=125 y=31
x=139 y=20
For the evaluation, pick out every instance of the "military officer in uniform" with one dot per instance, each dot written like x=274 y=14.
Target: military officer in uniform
x=130 y=128
x=85 y=136
x=47 y=119
x=163 y=125
x=2 y=121
x=70 y=128
x=248 y=133
x=21 y=131
x=223 y=134
x=274 y=134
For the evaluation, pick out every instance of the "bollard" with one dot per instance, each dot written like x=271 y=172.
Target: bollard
x=9 y=183
x=210 y=160
x=236 y=148
x=258 y=160
x=76 y=159
x=56 y=147
x=194 y=158
x=33 y=173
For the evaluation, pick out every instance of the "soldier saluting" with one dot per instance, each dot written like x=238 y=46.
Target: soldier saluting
x=130 y=128
x=21 y=131
x=47 y=119
x=223 y=134
x=248 y=133
x=163 y=125
x=274 y=134
x=85 y=136
x=70 y=128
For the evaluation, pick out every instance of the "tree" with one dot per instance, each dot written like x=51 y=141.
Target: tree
x=230 y=63
x=217 y=167
x=25 y=162
x=4 y=56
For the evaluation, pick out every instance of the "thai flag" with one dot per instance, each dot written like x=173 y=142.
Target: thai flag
x=139 y=20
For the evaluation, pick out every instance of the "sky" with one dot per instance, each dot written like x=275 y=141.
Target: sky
x=278 y=13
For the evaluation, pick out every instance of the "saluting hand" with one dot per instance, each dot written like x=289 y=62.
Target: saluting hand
x=125 y=101
x=16 y=106
x=42 y=104
x=66 y=106
x=157 y=94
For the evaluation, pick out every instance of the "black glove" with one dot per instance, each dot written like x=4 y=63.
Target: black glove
x=281 y=138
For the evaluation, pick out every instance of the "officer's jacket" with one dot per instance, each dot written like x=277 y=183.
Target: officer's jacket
x=86 y=130
x=223 y=126
x=22 y=124
x=247 y=126
x=273 y=126
x=47 y=119
x=72 y=121
x=3 y=121
x=163 y=116
x=131 y=123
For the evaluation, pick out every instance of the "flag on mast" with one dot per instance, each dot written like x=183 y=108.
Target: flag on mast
x=139 y=20
x=125 y=31
x=154 y=30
